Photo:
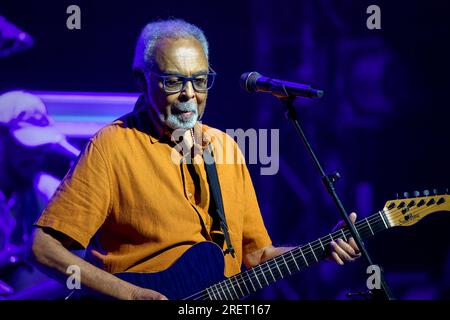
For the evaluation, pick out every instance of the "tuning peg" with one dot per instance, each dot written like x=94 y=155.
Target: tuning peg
x=446 y=190
x=426 y=193
x=435 y=192
x=416 y=194
x=405 y=195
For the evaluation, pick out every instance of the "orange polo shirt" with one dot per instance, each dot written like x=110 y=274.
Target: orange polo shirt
x=132 y=199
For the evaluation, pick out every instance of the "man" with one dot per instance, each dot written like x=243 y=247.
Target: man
x=34 y=155
x=133 y=202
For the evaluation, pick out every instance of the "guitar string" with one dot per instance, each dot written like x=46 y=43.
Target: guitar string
x=394 y=213
x=223 y=284
x=200 y=295
x=206 y=296
x=227 y=283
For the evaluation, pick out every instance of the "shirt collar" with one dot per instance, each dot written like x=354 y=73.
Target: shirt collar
x=161 y=134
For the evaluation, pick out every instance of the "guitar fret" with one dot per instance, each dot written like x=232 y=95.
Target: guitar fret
x=363 y=229
x=379 y=226
x=224 y=294
x=242 y=292
x=293 y=258
x=262 y=271
x=228 y=289
x=281 y=274
x=219 y=296
x=243 y=280
x=312 y=250
x=367 y=221
x=321 y=245
x=218 y=292
x=211 y=298
x=212 y=290
x=270 y=270
x=306 y=261
x=209 y=294
x=382 y=218
x=287 y=266
x=251 y=282
x=343 y=233
x=257 y=277
x=232 y=287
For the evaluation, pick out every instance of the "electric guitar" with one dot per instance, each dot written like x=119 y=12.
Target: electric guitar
x=198 y=273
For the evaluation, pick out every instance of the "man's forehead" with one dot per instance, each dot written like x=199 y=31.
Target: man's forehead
x=165 y=43
x=174 y=54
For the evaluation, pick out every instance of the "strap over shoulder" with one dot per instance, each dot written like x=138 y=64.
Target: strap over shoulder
x=213 y=179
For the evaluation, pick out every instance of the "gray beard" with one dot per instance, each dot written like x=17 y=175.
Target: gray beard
x=175 y=121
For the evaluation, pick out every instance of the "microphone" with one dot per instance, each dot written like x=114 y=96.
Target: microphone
x=254 y=82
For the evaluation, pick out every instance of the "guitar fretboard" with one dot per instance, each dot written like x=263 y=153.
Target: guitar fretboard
x=288 y=263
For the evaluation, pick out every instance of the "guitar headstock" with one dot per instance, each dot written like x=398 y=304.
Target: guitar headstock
x=409 y=210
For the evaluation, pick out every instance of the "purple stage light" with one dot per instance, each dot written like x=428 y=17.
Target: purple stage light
x=81 y=114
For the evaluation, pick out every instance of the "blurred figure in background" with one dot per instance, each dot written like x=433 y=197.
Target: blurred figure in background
x=34 y=156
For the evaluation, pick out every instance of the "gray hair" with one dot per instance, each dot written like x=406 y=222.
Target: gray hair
x=163 y=29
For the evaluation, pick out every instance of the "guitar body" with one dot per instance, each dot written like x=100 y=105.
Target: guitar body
x=199 y=267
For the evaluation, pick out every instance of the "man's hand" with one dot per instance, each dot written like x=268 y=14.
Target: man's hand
x=139 y=293
x=342 y=251
x=339 y=252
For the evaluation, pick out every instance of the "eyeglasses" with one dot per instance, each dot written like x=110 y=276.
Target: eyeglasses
x=174 y=83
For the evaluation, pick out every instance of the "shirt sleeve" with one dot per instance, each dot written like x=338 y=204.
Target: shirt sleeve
x=82 y=201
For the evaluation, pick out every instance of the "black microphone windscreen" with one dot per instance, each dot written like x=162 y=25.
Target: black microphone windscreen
x=248 y=81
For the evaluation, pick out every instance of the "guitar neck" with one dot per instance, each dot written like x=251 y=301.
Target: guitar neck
x=293 y=261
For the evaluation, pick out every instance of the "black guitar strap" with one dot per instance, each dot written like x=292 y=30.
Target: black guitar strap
x=211 y=172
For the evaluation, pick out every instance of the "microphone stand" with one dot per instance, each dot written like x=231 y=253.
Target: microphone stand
x=384 y=293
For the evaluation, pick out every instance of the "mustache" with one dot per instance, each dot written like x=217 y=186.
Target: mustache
x=184 y=107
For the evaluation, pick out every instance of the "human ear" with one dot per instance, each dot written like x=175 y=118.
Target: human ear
x=141 y=80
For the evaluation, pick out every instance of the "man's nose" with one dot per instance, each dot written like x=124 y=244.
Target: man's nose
x=188 y=91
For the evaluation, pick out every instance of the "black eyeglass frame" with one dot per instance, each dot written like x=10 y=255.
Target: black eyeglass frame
x=185 y=79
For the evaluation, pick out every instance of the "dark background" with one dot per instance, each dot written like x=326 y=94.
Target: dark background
x=382 y=123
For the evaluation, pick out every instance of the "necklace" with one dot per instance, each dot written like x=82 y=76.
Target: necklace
x=193 y=136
